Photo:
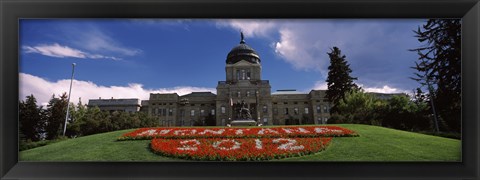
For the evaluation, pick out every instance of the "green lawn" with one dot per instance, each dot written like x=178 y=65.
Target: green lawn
x=373 y=144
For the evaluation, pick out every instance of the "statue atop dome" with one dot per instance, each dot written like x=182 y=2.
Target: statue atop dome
x=242 y=41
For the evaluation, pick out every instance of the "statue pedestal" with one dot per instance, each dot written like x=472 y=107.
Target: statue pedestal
x=243 y=122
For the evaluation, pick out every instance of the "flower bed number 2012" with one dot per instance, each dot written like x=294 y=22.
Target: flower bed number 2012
x=244 y=149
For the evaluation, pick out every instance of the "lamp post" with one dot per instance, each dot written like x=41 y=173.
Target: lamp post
x=68 y=101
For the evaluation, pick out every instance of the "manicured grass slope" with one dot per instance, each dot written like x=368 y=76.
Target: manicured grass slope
x=374 y=144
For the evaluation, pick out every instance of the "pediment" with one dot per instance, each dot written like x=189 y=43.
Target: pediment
x=244 y=63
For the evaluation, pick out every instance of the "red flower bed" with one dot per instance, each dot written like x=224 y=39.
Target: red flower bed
x=238 y=149
x=188 y=133
x=238 y=144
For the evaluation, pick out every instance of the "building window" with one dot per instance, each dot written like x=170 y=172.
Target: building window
x=295 y=110
x=285 y=102
x=192 y=112
x=170 y=112
x=238 y=94
x=223 y=109
x=223 y=122
x=265 y=109
x=318 y=109
x=202 y=112
x=306 y=110
x=182 y=113
x=286 y=111
x=325 y=109
x=319 y=120
x=248 y=93
x=164 y=112
x=243 y=74
x=275 y=111
x=265 y=120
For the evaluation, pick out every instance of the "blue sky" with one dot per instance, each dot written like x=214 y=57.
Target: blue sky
x=130 y=58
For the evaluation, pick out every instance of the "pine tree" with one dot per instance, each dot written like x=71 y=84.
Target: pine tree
x=56 y=112
x=31 y=120
x=339 y=80
x=439 y=67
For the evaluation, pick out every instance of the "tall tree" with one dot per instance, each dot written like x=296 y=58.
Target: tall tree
x=339 y=80
x=31 y=119
x=56 y=112
x=439 y=67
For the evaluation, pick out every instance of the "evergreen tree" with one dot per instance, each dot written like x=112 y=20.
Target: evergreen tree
x=31 y=120
x=439 y=67
x=339 y=80
x=56 y=112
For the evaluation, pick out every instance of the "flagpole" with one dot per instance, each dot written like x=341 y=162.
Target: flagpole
x=68 y=101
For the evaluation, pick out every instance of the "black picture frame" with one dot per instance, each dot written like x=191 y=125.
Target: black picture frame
x=11 y=11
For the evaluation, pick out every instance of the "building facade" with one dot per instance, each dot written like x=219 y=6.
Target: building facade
x=126 y=105
x=243 y=83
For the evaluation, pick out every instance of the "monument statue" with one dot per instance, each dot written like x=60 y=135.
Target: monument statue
x=244 y=112
x=242 y=115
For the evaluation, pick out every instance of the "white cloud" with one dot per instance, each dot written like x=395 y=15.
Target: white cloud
x=385 y=89
x=249 y=27
x=55 y=50
x=322 y=85
x=299 y=51
x=43 y=90
x=377 y=50
x=59 y=51
x=94 y=39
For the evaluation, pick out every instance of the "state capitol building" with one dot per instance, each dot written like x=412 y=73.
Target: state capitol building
x=243 y=82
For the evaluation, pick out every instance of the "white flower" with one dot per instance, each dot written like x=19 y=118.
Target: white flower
x=165 y=131
x=325 y=130
x=289 y=146
x=220 y=131
x=186 y=146
x=184 y=131
x=236 y=145
x=258 y=144
x=149 y=132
